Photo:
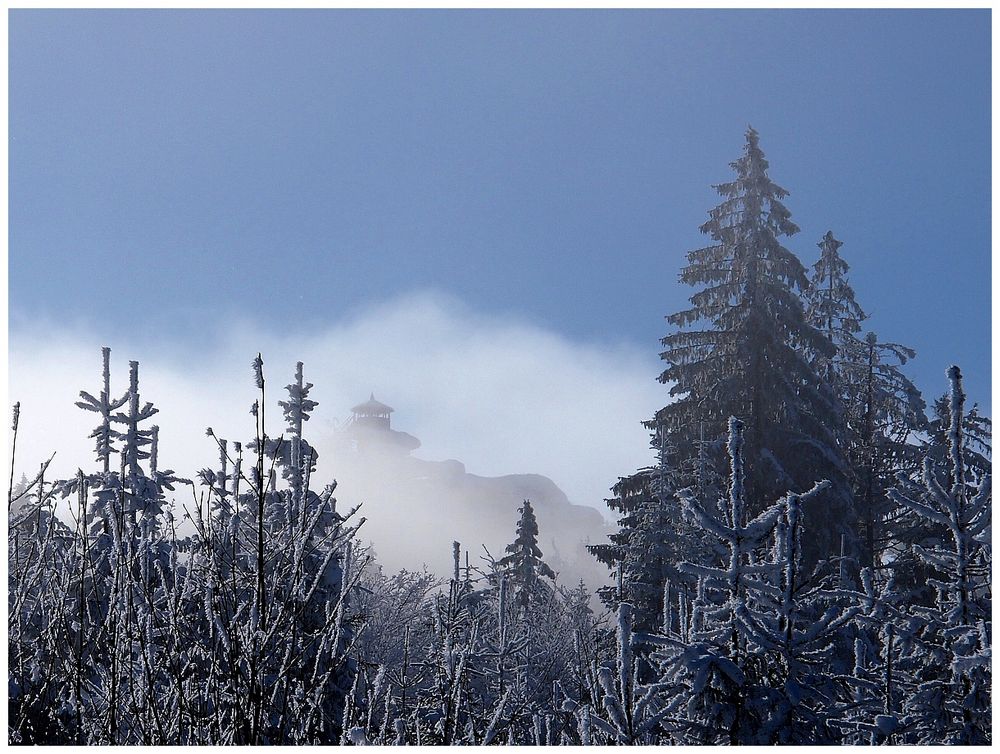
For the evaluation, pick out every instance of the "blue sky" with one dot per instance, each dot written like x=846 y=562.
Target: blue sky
x=170 y=171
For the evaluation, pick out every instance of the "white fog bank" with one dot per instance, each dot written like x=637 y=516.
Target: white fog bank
x=504 y=397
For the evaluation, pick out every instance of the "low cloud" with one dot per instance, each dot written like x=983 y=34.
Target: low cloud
x=501 y=395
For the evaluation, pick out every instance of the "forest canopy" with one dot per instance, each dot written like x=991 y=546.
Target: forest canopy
x=807 y=562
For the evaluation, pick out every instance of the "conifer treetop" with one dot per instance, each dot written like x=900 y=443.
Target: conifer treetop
x=523 y=564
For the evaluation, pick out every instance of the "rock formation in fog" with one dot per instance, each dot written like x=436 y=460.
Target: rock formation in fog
x=416 y=508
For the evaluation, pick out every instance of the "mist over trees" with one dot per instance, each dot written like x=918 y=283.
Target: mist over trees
x=807 y=561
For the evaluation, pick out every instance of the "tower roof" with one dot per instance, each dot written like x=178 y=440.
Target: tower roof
x=372 y=407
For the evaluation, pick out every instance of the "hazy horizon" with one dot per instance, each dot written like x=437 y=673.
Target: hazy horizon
x=574 y=410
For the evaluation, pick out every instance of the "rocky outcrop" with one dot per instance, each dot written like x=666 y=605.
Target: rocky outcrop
x=416 y=508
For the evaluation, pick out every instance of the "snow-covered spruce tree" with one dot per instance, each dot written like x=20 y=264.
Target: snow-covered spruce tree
x=806 y=632
x=275 y=593
x=639 y=550
x=523 y=565
x=882 y=406
x=137 y=491
x=977 y=434
x=652 y=535
x=537 y=640
x=742 y=350
x=832 y=309
x=295 y=456
x=104 y=582
x=630 y=712
x=905 y=528
x=951 y=700
x=104 y=405
x=707 y=668
x=883 y=664
x=748 y=666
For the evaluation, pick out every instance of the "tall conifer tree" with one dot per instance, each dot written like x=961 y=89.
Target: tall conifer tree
x=742 y=349
x=882 y=406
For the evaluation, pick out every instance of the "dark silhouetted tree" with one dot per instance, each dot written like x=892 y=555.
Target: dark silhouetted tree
x=523 y=564
x=743 y=349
